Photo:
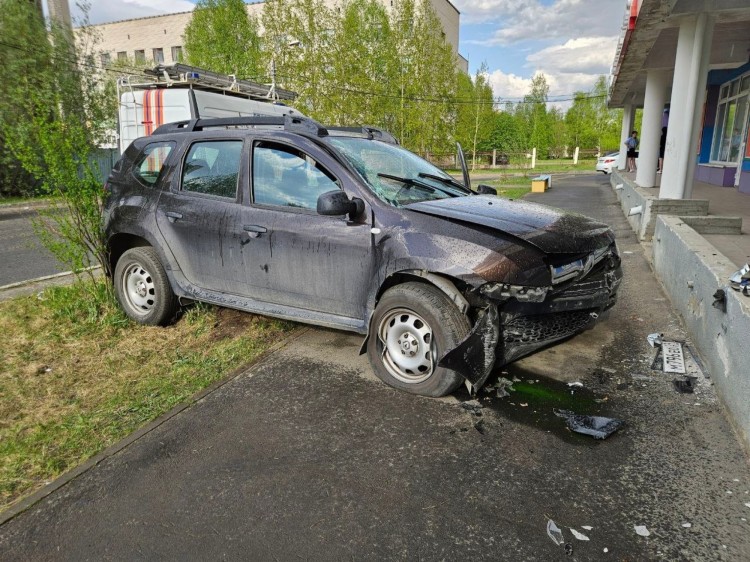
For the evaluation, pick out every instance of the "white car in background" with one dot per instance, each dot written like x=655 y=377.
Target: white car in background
x=607 y=162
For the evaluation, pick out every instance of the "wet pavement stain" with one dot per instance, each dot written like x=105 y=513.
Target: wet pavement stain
x=533 y=402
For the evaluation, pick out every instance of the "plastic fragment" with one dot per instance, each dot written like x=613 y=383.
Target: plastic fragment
x=598 y=427
x=687 y=525
x=554 y=532
x=642 y=531
x=579 y=536
x=580 y=384
x=740 y=278
x=587 y=527
x=747 y=504
x=606 y=550
x=654 y=339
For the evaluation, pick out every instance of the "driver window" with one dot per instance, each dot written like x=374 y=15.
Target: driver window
x=286 y=177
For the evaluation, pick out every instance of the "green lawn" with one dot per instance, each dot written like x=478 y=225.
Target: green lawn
x=77 y=375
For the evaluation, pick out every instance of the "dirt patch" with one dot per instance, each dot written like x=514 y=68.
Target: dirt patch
x=230 y=323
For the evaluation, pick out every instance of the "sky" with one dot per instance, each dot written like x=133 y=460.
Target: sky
x=571 y=41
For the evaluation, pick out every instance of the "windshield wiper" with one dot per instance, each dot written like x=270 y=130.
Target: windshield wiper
x=447 y=181
x=408 y=182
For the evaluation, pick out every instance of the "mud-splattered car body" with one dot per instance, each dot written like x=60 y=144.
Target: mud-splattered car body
x=524 y=275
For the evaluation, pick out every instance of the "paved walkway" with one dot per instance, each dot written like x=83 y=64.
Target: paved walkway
x=307 y=456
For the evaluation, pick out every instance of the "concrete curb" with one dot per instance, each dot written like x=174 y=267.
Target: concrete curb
x=20 y=209
x=28 y=501
x=29 y=286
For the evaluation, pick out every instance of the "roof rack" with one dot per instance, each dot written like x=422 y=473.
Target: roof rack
x=294 y=124
x=201 y=79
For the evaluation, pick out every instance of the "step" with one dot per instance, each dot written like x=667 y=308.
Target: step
x=712 y=224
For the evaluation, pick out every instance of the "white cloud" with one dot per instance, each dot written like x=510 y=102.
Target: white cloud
x=581 y=55
x=532 y=20
x=512 y=87
x=102 y=11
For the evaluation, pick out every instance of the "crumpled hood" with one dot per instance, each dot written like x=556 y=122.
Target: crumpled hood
x=549 y=229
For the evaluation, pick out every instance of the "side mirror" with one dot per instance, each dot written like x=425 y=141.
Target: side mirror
x=483 y=189
x=336 y=203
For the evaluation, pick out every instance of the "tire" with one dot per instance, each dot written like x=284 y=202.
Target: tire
x=142 y=287
x=409 y=318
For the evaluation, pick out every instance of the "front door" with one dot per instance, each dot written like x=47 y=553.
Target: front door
x=295 y=256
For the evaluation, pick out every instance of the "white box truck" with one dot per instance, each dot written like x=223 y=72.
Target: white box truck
x=180 y=92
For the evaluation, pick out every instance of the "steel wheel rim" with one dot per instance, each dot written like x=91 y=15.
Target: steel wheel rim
x=139 y=289
x=408 y=346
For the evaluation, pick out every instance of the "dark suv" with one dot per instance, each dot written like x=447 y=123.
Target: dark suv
x=344 y=228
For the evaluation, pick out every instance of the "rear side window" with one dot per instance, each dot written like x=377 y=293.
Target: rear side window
x=212 y=168
x=150 y=163
x=286 y=177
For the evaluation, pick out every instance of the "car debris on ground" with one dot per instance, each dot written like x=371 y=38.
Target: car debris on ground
x=598 y=427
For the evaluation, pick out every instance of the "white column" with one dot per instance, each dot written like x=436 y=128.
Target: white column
x=653 y=107
x=690 y=72
x=628 y=118
x=700 y=99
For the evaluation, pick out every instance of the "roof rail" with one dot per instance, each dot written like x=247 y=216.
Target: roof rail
x=365 y=131
x=294 y=124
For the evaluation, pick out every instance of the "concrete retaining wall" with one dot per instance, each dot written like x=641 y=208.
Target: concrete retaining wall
x=691 y=270
x=643 y=224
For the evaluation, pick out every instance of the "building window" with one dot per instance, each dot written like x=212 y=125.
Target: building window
x=140 y=56
x=105 y=59
x=122 y=55
x=177 y=54
x=731 y=121
x=158 y=56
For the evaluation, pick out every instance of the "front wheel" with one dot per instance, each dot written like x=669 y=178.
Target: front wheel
x=142 y=287
x=414 y=325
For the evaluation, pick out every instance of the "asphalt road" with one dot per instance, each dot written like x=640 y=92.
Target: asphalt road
x=22 y=256
x=307 y=456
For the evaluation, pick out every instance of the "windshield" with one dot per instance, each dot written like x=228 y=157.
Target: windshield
x=394 y=174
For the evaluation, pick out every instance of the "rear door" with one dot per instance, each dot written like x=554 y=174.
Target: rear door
x=200 y=217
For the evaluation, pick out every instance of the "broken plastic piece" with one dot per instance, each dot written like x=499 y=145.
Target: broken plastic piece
x=606 y=550
x=686 y=525
x=654 y=339
x=740 y=278
x=475 y=355
x=642 y=531
x=587 y=527
x=576 y=384
x=579 y=536
x=554 y=532
x=598 y=427
x=685 y=386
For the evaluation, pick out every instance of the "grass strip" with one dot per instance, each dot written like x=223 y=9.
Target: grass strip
x=76 y=375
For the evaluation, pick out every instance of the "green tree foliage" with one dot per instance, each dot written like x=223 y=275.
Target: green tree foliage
x=53 y=116
x=590 y=123
x=475 y=116
x=221 y=36
x=299 y=37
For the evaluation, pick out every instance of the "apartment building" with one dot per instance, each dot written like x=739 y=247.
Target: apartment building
x=159 y=39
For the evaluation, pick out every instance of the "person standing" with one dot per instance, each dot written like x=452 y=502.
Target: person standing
x=631 y=144
x=662 y=147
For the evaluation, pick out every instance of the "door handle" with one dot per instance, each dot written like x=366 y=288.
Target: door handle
x=254 y=230
x=172 y=216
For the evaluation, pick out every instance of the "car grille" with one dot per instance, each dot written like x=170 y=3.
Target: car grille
x=544 y=327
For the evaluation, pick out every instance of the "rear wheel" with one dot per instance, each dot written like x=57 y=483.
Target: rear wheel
x=413 y=326
x=142 y=287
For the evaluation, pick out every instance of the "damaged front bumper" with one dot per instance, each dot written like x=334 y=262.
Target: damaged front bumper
x=513 y=322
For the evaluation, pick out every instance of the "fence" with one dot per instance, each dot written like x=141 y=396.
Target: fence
x=104 y=160
x=497 y=159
